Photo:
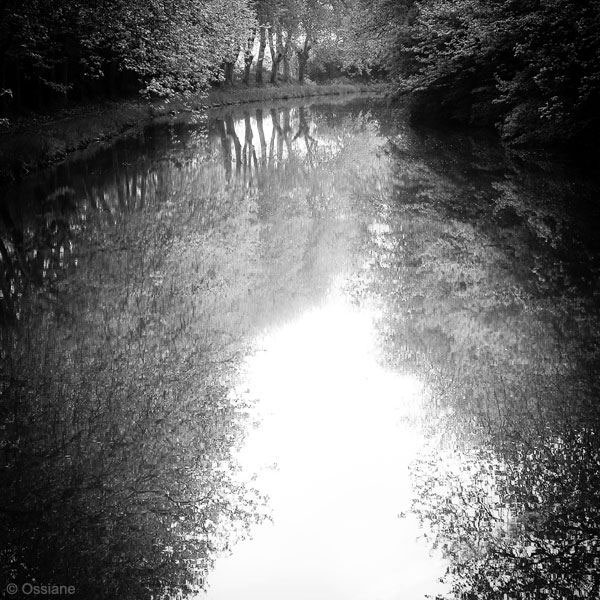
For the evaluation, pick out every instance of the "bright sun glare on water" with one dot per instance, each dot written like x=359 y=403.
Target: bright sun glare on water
x=335 y=424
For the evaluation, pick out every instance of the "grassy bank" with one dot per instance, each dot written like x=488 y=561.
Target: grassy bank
x=239 y=95
x=35 y=142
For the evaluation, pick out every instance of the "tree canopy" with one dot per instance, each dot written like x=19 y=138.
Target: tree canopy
x=77 y=47
x=531 y=69
x=77 y=50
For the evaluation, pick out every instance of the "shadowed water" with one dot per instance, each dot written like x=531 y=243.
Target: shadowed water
x=301 y=351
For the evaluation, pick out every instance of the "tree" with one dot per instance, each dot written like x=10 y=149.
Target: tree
x=68 y=49
x=528 y=68
x=509 y=491
x=264 y=13
x=115 y=436
x=276 y=47
x=284 y=27
x=369 y=33
x=248 y=55
x=194 y=39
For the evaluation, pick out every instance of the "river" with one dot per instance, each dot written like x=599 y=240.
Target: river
x=302 y=350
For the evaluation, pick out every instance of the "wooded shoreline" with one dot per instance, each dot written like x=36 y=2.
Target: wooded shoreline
x=39 y=141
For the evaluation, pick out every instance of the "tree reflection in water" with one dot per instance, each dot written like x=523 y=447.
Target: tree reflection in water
x=489 y=274
x=134 y=280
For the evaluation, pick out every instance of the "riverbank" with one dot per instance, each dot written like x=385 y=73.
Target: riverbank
x=41 y=140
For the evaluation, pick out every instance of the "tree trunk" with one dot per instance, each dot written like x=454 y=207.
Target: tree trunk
x=287 y=130
x=225 y=148
x=276 y=52
x=303 y=55
x=261 y=54
x=229 y=66
x=277 y=136
x=228 y=73
x=287 y=55
x=302 y=60
x=249 y=151
x=273 y=56
x=231 y=133
x=286 y=68
x=249 y=57
x=261 y=136
x=280 y=53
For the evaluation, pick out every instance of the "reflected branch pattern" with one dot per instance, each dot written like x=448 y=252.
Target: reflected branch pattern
x=134 y=281
x=489 y=284
x=131 y=284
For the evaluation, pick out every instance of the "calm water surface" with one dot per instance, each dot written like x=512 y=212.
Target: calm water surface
x=302 y=351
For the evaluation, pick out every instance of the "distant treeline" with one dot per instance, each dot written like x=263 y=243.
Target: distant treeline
x=531 y=68
x=75 y=49
x=52 y=50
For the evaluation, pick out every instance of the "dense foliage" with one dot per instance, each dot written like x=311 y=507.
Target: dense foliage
x=52 y=48
x=118 y=344
x=77 y=50
x=487 y=270
x=132 y=284
x=531 y=68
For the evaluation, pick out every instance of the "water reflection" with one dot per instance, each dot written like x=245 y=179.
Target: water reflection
x=406 y=323
x=133 y=282
x=335 y=440
x=488 y=272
